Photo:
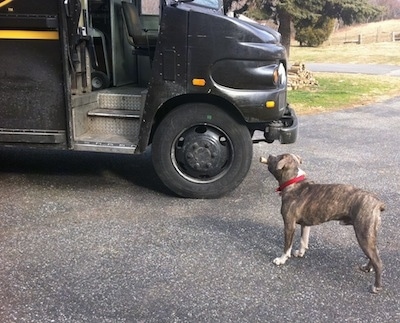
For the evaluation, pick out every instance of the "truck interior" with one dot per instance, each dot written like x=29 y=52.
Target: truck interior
x=123 y=32
x=107 y=103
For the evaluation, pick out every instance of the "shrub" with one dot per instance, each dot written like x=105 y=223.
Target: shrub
x=314 y=34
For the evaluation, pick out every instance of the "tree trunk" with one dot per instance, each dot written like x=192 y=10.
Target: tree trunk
x=285 y=23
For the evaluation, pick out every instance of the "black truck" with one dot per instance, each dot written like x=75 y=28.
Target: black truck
x=179 y=77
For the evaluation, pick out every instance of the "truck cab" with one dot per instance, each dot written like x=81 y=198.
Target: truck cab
x=178 y=77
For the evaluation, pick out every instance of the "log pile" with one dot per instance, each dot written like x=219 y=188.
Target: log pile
x=299 y=77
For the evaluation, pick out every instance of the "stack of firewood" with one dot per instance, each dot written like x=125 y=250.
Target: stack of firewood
x=299 y=77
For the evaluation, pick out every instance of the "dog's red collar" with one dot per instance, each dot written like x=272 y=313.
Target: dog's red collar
x=290 y=182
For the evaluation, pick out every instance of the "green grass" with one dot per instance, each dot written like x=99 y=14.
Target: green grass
x=340 y=91
x=375 y=53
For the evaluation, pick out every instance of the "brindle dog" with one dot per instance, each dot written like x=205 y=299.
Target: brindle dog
x=307 y=204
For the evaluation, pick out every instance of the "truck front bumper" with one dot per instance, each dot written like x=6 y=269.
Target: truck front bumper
x=285 y=129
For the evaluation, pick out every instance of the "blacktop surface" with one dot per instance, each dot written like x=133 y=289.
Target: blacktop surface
x=372 y=69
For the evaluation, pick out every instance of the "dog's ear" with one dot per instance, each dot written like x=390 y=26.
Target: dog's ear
x=288 y=158
x=299 y=159
x=281 y=164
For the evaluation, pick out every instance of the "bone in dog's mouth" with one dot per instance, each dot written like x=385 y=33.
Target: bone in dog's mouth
x=307 y=203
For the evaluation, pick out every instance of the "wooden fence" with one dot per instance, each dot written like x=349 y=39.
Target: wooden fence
x=366 y=39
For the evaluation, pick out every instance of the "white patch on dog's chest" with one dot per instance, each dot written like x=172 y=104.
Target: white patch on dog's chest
x=300 y=172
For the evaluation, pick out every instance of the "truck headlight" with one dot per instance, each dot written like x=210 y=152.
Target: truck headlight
x=282 y=74
x=279 y=76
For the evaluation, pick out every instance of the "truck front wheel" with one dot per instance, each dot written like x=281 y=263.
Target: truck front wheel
x=199 y=151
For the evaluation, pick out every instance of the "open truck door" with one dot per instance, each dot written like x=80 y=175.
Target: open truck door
x=32 y=78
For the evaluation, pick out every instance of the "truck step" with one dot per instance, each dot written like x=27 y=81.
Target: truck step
x=124 y=98
x=106 y=122
x=114 y=113
x=105 y=143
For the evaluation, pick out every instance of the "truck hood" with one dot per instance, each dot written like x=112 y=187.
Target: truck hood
x=276 y=35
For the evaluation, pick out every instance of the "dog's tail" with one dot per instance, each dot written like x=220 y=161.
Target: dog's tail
x=379 y=205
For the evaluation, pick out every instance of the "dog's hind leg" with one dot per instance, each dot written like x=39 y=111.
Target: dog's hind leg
x=366 y=236
x=375 y=262
x=305 y=235
x=289 y=234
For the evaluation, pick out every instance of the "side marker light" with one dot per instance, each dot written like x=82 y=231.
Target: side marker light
x=199 y=82
x=270 y=104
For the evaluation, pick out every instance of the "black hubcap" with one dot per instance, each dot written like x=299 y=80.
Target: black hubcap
x=202 y=153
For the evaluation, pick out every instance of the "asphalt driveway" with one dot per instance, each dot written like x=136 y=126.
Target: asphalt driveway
x=372 y=69
x=96 y=238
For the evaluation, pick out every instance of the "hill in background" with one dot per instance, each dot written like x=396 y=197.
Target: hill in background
x=374 y=32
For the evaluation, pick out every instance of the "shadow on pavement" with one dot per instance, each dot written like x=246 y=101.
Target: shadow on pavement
x=137 y=169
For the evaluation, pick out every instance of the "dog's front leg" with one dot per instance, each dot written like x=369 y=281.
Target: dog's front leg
x=289 y=233
x=305 y=235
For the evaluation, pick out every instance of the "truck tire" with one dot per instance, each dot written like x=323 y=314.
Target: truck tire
x=199 y=151
x=100 y=80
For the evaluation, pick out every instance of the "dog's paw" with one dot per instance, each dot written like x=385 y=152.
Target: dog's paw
x=299 y=253
x=375 y=290
x=280 y=260
x=366 y=268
